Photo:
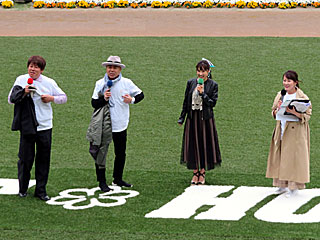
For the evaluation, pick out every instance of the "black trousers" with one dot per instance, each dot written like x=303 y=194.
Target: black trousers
x=120 y=145
x=41 y=142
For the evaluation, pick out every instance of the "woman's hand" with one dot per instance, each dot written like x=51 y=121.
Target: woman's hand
x=294 y=112
x=279 y=104
x=200 y=88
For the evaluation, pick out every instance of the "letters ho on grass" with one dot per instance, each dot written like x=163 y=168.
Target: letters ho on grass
x=230 y=208
x=235 y=206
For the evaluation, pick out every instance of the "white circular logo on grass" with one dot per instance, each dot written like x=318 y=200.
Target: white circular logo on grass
x=83 y=198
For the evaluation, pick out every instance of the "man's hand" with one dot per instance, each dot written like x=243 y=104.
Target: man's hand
x=107 y=94
x=26 y=89
x=47 y=98
x=127 y=98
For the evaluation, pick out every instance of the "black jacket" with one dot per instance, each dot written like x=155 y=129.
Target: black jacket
x=24 y=118
x=209 y=99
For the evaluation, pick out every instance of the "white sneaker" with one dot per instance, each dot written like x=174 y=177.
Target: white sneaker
x=281 y=190
x=291 y=193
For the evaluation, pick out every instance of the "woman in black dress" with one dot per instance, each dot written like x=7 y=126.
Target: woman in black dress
x=200 y=146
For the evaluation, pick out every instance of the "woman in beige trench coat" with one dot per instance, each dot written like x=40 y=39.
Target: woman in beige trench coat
x=289 y=155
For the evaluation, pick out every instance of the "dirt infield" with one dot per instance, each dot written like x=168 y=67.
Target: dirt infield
x=161 y=22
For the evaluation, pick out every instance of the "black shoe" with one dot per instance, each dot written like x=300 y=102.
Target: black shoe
x=121 y=183
x=104 y=187
x=22 y=195
x=44 y=197
x=197 y=174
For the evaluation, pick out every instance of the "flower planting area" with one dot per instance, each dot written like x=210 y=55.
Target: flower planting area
x=189 y=4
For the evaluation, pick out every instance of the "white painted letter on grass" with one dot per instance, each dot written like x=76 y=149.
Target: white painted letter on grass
x=281 y=209
x=233 y=207
x=11 y=186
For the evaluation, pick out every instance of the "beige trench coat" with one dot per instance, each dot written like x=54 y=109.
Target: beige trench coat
x=289 y=159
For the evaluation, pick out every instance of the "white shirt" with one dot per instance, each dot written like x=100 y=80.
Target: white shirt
x=287 y=97
x=43 y=110
x=119 y=110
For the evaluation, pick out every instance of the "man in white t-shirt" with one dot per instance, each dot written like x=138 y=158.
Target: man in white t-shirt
x=118 y=92
x=32 y=95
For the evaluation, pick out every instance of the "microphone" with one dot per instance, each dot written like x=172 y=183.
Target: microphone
x=200 y=82
x=283 y=93
x=30 y=81
x=109 y=84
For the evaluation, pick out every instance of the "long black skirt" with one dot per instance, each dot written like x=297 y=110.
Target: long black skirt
x=200 y=146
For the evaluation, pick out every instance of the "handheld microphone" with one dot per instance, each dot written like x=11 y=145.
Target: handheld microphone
x=109 y=84
x=30 y=81
x=200 y=81
x=283 y=93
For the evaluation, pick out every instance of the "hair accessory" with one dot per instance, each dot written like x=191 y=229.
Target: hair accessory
x=210 y=63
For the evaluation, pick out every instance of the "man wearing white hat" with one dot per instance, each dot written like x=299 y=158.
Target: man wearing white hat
x=118 y=92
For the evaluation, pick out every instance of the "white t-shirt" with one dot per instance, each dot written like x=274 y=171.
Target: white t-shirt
x=43 y=110
x=119 y=110
x=287 y=97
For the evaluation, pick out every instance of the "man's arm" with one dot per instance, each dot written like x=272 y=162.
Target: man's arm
x=138 y=97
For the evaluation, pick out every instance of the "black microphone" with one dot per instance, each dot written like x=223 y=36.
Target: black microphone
x=283 y=93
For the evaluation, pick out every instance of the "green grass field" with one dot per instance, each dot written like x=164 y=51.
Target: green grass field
x=249 y=72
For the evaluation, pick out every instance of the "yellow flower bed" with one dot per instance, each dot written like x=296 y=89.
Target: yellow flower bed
x=61 y=5
x=167 y=4
x=7 y=4
x=229 y=5
x=294 y=4
x=187 y=4
x=284 y=5
x=123 y=4
x=252 y=4
x=39 y=4
x=134 y=5
x=207 y=4
x=50 y=5
x=71 y=5
x=156 y=4
x=110 y=4
x=143 y=5
x=83 y=4
x=240 y=4
x=196 y=4
x=220 y=5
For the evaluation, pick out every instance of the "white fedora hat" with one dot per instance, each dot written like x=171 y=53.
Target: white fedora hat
x=114 y=61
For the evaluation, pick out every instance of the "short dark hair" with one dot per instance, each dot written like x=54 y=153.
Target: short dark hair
x=37 y=60
x=203 y=65
x=292 y=75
